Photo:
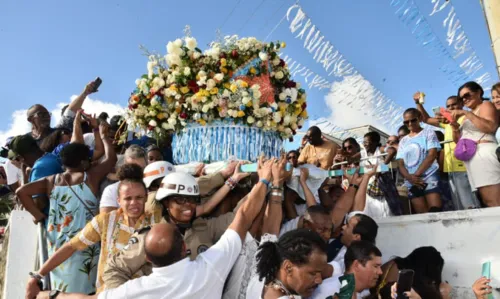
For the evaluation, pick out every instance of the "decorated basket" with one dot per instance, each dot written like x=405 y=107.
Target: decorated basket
x=234 y=99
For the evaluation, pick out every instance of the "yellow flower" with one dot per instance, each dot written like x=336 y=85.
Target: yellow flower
x=227 y=85
x=283 y=44
x=184 y=89
x=241 y=113
x=160 y=116
x=244 y=84
x=253 y=71
x=304 y=114
x=249 y=104
x=178 y=109
x=214 y=90
x=298 y=112
x=233 y=88
x=202 y=122
x=223 y=62
x=224 y=70
x=173 y=88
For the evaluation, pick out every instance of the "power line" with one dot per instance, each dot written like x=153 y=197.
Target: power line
x=272 y=16
x=230 y=14
x=251 y=16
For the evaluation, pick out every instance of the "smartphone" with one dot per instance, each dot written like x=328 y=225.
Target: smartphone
x=405 y=282
x=436 y=110
x=97 y=82
x=486 y=272
x=418 y=191
x=446 y=114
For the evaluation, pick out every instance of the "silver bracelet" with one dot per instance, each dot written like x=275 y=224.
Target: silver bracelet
x=36 y=276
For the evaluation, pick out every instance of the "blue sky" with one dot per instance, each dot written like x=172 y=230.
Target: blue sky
x=51 y=49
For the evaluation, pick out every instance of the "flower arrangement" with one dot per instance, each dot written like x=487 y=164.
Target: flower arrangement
x=242 y=81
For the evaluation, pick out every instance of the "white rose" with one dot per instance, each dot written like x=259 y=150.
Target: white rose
x=259 y=124
x=191 y=43
x=215 y=52
x=282 y=96
x=230 y=112
x=288 y=131
x=187 y=71
x=263 y=56
x=152 y=113
x=210 y=84
x=178 y=42
x=152 y=123
x=150 y=67
x=245 y=100
x=178 y=96
x=276 y=61
x=294 y=127
x=154 y=102
x=257 y=94
x=172 y=121
x=170 y=47
x=286 y=120
x=219 y=77
x=205 y=108
x=183 y=123
x=301 y=123
x=279 y=75
x=250 y=120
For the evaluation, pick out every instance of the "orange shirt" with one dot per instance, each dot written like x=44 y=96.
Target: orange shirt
x=323 y=154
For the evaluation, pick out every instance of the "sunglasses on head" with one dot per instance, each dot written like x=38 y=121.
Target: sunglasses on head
x=407 y=122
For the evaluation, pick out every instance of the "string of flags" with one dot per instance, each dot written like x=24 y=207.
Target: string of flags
x=361 y=92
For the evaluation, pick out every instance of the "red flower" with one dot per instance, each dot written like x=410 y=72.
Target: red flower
x=234 y=53
x=183 y=115
x=193 y=86
x=282 y=63
x=290 y=84
x=151 y=128
x=304 y=105
x=132 y=106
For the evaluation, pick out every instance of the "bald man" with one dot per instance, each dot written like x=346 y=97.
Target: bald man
x=174 y=274
x=316 y=218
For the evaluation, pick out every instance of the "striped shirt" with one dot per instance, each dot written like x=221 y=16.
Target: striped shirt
x=113 y=231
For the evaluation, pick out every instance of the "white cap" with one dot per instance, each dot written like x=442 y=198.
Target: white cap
x=156 y=170
x=178 y=183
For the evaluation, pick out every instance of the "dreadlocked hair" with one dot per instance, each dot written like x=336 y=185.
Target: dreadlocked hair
x=295 y=246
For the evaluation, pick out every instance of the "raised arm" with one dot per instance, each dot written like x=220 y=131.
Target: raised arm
x=77 y=103
x=360 y=197
x=217 y=198
x=99 y=171
x=425 y=116
x=26 y=192
x=251 y=208
x=77 y=136
x=346 y=201
x=310 y=199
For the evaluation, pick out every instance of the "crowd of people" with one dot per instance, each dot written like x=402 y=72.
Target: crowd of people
x=121 y=221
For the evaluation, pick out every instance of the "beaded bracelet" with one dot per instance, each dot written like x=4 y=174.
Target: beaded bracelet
x=230 y=183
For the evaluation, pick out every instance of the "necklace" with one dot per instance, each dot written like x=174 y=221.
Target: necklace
x=279 y=286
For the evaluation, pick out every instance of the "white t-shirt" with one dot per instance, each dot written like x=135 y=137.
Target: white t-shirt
x=289 y=226
x=202 y=278
x=109 y=197
x=13 y=173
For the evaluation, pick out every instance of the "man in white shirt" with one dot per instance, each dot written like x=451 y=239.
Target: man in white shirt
x=364 y=261
x=174 y=275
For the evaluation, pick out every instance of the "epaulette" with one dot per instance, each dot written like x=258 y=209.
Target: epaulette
x=143 y=230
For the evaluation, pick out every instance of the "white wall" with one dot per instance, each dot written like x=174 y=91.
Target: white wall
x=465 y=239
x=21 y=254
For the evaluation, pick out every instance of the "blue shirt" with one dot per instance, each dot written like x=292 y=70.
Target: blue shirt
x=48 y=164
x=414 y=150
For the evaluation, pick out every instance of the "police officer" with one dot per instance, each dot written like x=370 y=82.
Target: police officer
x=178 y=196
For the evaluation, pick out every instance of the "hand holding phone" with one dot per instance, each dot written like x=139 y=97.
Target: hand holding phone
x=93 y=86
x=446 y=114
x=405 y=282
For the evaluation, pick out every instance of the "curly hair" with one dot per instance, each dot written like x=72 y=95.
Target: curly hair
x=131 y=173
x=295 y=246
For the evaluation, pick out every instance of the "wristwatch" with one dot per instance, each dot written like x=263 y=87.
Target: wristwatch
x=53 y=294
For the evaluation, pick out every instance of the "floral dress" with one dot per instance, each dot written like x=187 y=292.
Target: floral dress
x=67 y=217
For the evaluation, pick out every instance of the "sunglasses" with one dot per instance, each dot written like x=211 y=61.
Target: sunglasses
x=349 y=147
x=467 y=95
x=291 y=157
x=41 y=114
x=407 y=122
x=183 y=200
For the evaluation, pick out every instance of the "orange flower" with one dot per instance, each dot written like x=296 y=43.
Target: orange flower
x=51 y=228
x=58 y=228
x=67 y=220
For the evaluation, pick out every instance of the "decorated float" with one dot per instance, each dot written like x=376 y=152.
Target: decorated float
x=235 y=99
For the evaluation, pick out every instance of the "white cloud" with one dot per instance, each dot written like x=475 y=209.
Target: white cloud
x=352 y=103
x=20 y=125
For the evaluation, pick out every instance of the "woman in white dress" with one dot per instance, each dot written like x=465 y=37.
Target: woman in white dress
x=480 y=125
